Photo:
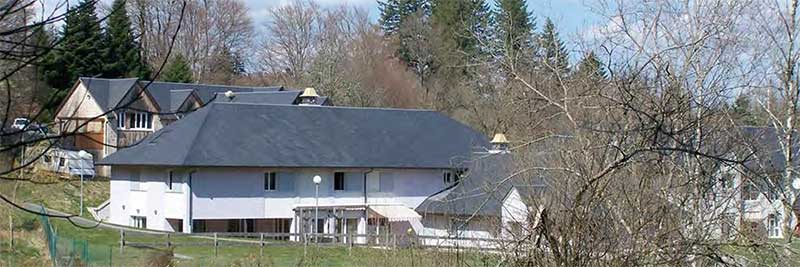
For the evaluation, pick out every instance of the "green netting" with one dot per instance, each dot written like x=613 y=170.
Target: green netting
x=66 y=251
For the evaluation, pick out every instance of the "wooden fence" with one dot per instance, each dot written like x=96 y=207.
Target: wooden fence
x=262 y=240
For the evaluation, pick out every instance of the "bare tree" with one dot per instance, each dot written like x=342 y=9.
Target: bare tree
x=293 y=34
x=214 y=32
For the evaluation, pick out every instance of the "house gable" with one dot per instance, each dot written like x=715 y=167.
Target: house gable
x=79 y=104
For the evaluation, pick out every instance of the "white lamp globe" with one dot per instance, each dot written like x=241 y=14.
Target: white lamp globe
x=229 y=94
x=84 y=155
x=796 y=183
x=317 y=179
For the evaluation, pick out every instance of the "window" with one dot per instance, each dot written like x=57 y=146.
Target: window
x=773 y=226
x=338 y=181
x=62 y=162
x=270 y=181
x=447 y=177
x=121 y=120
x=174 y=182
x=198 y=226
x=136 y=181
x=726 y=179
x=139 y=221
x=46 y=159
x=750 y=191
x=141 y=120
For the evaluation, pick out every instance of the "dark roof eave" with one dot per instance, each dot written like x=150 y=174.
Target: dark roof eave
x=144 y=164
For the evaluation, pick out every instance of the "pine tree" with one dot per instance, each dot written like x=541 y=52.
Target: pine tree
x=79 y=52
x=122 y=54
x=178 y=71
x=406 y=20
x=742 y=112
x=515 y=28
x=462 y=24
x=590 y=66
x=555 y=54
x=394 y=12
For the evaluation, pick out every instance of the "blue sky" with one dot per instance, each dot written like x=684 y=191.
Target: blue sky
x=571 y=16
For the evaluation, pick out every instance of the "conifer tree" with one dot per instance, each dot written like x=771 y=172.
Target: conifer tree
x=514 y=29
x=79 y=54
x=178 y=70
x=555 y=54
x=590 y=66
x=122 y=54
x=406 y=20
x=463 y=25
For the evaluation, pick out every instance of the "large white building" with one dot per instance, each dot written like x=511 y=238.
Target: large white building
x=232 y=167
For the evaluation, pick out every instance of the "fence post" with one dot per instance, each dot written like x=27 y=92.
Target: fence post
x=350 y=243
x=110 y=256
x=11 y=231
x=261 y=249
x=121 y=240
x=215 y=245
x=169 y=244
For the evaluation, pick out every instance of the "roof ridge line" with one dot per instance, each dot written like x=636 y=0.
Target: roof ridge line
x=330 y=107
x=261 y=92
x=207 y=84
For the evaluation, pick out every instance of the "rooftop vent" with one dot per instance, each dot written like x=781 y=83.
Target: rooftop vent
x=230 y=94
x=309 y=97
x=499 y=143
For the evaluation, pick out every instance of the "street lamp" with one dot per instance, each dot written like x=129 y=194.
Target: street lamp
x=317 y=180
x=82 y=155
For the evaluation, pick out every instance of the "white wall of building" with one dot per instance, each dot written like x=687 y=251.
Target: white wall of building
x=239 y=193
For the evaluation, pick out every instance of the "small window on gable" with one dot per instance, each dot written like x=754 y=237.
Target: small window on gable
x=338 y=181
x=270 y=181
x=62 y=162
x=121 y=120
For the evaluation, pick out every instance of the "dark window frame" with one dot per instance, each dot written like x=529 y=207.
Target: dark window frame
x=338 y=181
x=270 y=181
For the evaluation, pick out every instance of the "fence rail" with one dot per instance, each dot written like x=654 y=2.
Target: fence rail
x=244 y=239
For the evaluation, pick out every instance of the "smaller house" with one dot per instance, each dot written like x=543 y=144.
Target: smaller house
x=489 y=200
x=107 y=114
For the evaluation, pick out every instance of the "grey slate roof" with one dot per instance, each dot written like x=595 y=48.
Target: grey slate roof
x=160 y=90
x=276 y=98
x=177 y=98
x=490 y=177
x=108 y=92
x=168 y=96
x=304 y=136
x=480 y=191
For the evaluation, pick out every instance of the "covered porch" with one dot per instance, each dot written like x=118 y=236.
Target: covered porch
x=370 y=223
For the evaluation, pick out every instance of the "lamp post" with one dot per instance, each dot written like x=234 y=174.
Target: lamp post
x=82 y=155
x=317 y=180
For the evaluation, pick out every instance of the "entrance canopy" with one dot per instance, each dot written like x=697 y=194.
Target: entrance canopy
x=395 y=213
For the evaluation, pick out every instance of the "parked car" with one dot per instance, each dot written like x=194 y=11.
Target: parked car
x=24 y=123
x=20 y=123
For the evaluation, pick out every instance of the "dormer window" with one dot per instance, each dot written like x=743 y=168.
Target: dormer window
x=140 y=120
